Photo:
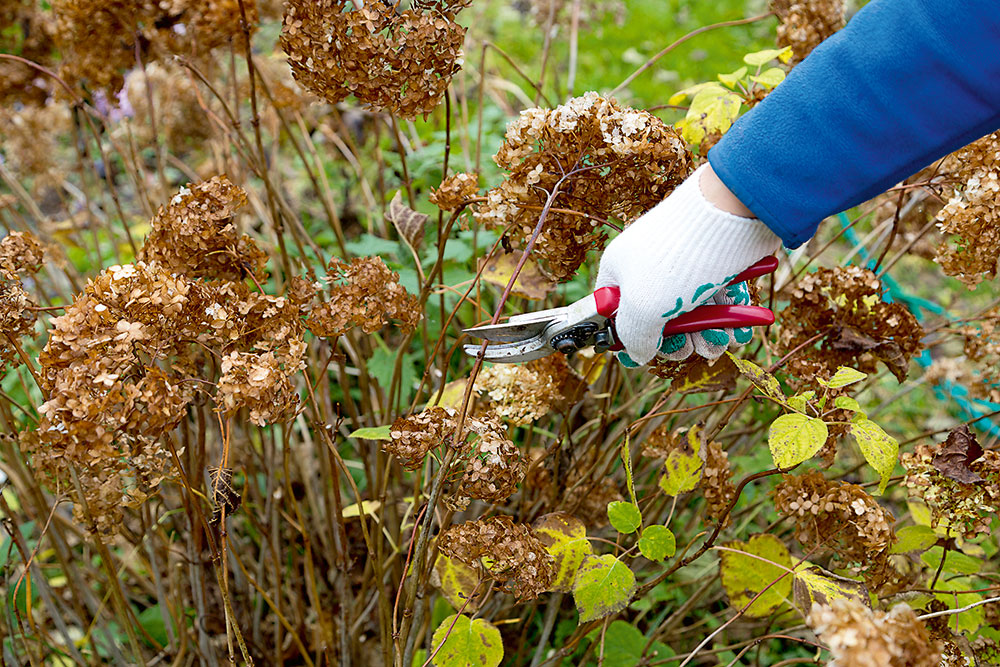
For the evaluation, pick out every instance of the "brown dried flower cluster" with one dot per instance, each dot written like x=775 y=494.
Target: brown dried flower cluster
x=860 y=637
x=525 y=393
x=401 y=61
x=982 y=348
x=622 y=163
x=716 y=482
x=963 y=494
x=26 y=30
x=454 y=190
x=861 y=329
x=513 y=556
x=806 y=23
x=972 y=215
x=195 y=234
x=97 y=38
x=366 y=294
x=492 y=465
x=176 y=115
x=411 y=438
x=31 y=139
x=117 y=369
x=20 y=255
x=835 y=516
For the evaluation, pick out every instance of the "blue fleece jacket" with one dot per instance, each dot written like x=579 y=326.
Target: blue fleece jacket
x=903 y=84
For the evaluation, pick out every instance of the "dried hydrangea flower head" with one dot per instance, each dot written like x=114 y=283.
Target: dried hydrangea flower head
x=962 y=494
x=97 y=38
x=632 y=161
x=493 y=464
x=116 y=369
x=716 y=482
x=31 y=141
x=366 y=294
x=21 y=254
x=411 y=438
x=862 y=329
x=180 y=121
x=399 y=61
x=195 y=234
x=806 y=23
x=26 y=29
x=980 y=370
x=860 y=637
x=454 y=190
x=524 y=393
x=505 y=551
x=972 y=215
x=836 y=516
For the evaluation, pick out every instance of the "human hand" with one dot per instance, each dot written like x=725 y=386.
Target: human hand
x=676 y=257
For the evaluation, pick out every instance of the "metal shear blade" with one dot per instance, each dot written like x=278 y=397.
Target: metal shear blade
x=519 y=327
x=524 y=350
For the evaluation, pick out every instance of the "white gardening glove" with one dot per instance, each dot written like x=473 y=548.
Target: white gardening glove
x=678 y=256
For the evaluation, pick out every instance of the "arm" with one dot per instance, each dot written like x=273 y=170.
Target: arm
x=904 y=83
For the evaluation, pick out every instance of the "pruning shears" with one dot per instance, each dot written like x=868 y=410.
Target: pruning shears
x=591 y=322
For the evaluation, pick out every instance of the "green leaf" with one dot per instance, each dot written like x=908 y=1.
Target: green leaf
x=814 y=585
x=372 y=433
x=914 y=538
x=879 y=448
x=760 y=378
x=799 y=401
x=624 y=645
x=604 y=585
x=368 y=245
x=760 y=58
x=770 y=77
x=744 y=575
x=457 y=581
x=713 y=109
x=795 y=438
x=624 y=516
x=152 y=622
x=657 y=543
x=565 y=537
x=469 y=643
x=848 y=403
x=843 y=377
x=682 y=469
x=954 y=563
x=966 y=621
x=734 y=77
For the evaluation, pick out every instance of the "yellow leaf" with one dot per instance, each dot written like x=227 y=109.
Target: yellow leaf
x=754 y=566
x=683 y=465
x=530 y=283
x=795 y=438
x=369 y=507
x=814 y=585
x=456 y=581
x=565 y=537
x=879 y=448
x=452 y=395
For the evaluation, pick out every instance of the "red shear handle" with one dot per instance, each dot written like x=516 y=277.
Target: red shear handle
x=702 y=317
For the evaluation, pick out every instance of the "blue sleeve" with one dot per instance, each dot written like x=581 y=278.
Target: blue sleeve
x=903 y=84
